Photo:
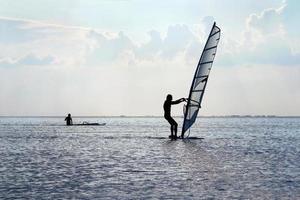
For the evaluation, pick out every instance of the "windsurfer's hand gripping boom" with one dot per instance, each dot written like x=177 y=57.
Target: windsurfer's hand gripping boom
x=195 y=102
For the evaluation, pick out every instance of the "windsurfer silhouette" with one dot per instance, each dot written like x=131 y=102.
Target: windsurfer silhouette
x=68 y=120
x=167 y=109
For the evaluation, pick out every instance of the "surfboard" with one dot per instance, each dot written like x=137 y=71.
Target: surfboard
x=90 y=124
x=187 y=138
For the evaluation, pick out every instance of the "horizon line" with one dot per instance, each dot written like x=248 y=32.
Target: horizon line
x=146 y=116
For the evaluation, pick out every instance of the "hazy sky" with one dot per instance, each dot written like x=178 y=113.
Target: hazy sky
x=121 y=57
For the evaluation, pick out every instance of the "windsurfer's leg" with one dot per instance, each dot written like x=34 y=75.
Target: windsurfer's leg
x=171 y=127
x=169 y=119
x=175 y=128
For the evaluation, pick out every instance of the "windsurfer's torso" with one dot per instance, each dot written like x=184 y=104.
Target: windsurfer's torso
x=167 y=108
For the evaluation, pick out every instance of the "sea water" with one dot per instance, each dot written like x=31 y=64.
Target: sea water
x=132 y=158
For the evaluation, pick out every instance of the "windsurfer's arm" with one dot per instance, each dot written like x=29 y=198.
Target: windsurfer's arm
x=178 y=101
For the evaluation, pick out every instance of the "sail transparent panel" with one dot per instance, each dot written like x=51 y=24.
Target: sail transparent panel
x=200 y=78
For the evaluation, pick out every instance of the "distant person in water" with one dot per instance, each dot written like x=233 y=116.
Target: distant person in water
x=68 y=120
x=167 y=115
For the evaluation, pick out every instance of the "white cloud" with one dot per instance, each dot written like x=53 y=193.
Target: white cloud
x=74 y=46
x=268 y=22
x=27 y=60
x=266 y=40
x=152 y=48
x=20 y=38
x=177 y=39
x=290 y=18
x=108 y=50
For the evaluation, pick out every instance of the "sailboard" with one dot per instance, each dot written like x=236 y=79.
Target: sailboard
x=89 y=124
x=200 y=79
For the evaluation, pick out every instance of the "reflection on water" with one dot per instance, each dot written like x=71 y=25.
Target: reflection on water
x=243 y=158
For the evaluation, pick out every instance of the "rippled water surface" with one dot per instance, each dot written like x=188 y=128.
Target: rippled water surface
x=131 y=158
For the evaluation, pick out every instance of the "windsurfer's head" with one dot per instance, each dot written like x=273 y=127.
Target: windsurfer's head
x=69 y=115
x=169 y=97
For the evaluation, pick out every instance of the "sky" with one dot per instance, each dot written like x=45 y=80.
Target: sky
x=122 y=57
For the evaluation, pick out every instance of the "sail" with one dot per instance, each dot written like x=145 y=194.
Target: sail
x=200 y=78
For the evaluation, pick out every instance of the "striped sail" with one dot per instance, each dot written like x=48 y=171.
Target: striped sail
x=200 y=78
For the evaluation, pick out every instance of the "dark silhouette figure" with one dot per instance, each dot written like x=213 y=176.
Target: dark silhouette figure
x=167 y=115
x=68 y=120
